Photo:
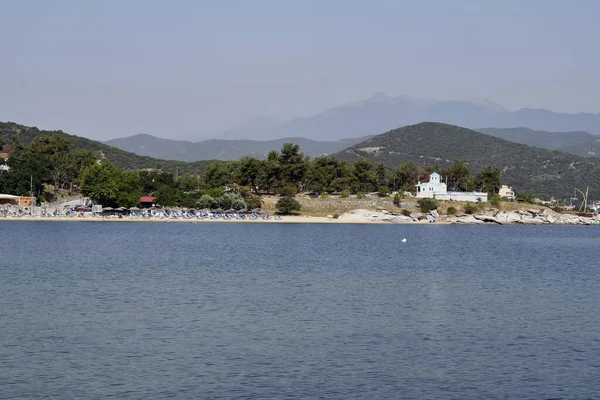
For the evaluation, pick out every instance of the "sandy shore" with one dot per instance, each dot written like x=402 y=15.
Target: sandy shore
x=287 y=219
x=290 y=219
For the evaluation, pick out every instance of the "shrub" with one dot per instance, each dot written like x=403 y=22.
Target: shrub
x=336 y=216
x=360 y=195
x=397 y=199
x=557 y=209
x=253 y=202
x=287 y=204
x=324 y=195
x=495 y=200
x=405 y=212
x=526 y=197
x=427 y=204
x=451 y=210
x=205 y=201
x=470 y=208
x=288 y=190
x=345 y=193
x=384 y=191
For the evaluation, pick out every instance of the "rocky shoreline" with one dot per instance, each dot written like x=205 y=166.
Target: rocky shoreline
x=519 y=217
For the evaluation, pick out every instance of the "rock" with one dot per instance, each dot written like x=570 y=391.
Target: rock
x=434 y=214
x=402 y=219
x=469 y=219
x=486 y=218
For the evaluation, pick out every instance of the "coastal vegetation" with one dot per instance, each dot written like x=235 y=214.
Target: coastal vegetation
x=49 y=164
x=25 y=135
x=541 y=172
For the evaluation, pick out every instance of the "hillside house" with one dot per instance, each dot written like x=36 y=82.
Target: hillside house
x=507 y=193
x=437 y=189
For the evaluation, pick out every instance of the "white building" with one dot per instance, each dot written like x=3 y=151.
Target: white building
x=437 y=189
x=507 y=193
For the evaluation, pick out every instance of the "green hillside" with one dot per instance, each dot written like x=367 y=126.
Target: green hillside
x=120 y=158
x=560 y=141
x=526 y=168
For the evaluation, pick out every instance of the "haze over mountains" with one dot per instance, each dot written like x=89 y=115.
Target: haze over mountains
x=380 y=113
x=225 y=150
x=340 y=127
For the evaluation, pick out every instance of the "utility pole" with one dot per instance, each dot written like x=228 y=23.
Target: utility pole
x=31 y=186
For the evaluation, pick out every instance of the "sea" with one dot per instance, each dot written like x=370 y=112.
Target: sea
x=122 y=310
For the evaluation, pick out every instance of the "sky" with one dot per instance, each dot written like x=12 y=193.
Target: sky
x=194 y=68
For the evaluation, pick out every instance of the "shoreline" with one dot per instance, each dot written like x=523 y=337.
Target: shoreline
x=289 y=219
x=306 y=219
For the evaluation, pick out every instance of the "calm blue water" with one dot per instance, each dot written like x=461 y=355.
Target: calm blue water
x=238 y=311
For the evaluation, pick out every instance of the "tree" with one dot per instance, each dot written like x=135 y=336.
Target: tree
x=189 y=182
x=56 y=151
x=404 y=176
x=457 y=176
x=129 y=189
x=364 y=172
x=269 y=178
x=167 y=196
x=217 y=175
x=249 y=172
x=80 y=160
x=293 y=165
x=381 y=175
x=100 y=182
x=287 y=204
x=151 y=180
x=26 y=173
x=489 y=180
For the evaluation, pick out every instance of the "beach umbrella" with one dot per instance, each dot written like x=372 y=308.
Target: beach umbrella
x=107 y=208
x=120 y=209
x=134 y=209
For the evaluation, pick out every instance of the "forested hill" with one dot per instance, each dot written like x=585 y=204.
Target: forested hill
x=562 y=141
x=526 y=168
x=120 y=158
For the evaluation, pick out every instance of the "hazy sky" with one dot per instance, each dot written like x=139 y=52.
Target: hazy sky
x=111 y=68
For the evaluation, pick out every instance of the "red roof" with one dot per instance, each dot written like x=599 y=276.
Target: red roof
x=4 y=155
x=147 y=199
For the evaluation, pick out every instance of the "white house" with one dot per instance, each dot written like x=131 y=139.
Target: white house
x=437 y=189
x=507 y=193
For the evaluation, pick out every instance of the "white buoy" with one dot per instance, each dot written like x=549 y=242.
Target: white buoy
x=404 y=240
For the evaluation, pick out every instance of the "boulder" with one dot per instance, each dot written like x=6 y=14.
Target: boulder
x=469 y=219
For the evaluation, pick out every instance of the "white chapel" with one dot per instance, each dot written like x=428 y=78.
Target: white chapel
x=437 y=189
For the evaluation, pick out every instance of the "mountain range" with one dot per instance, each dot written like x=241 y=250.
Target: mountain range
x=526 y=168
x=219 y=149
x=580 y=143
x=380 y=113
